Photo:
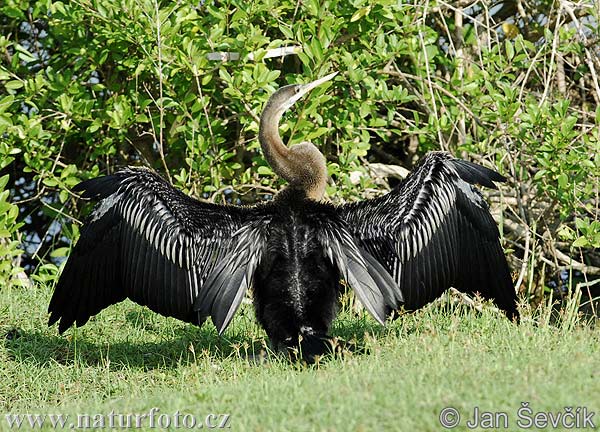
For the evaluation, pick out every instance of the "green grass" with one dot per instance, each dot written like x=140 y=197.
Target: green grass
x=128 y=359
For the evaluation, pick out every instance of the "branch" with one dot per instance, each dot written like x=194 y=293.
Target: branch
x=234 y=56
x=576 y=265
x=438 y=87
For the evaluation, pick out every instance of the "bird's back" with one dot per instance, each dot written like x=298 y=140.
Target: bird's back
x=296 y=286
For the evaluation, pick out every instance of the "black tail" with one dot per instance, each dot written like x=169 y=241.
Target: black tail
x=313 y=345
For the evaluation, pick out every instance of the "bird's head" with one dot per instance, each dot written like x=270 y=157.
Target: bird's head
x=302 y=165
x=284 y=98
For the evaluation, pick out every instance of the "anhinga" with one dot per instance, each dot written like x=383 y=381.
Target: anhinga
x=189 y=259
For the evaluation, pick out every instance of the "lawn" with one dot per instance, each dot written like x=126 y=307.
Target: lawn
x=128 y=360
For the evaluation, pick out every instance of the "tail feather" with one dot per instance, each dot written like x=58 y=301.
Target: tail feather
x=313 y=346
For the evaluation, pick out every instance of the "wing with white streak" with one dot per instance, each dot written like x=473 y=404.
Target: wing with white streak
x=434 y=231
x=151 y=243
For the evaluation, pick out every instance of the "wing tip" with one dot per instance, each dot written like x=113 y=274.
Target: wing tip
x=477 y=174
x=63 y=324
x=367 y=290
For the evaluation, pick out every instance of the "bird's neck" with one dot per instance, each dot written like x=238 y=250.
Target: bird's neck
x=303 y=170
x=275 y=151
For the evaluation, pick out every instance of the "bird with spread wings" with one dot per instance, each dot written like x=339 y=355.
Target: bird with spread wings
x=189 y=259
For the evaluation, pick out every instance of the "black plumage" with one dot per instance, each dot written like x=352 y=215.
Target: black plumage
x=434 y=230
x=189 y=259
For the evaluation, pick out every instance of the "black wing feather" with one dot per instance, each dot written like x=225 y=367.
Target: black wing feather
x=371 y=288
x=386 y=283
x=434 y=231
x=226 y=285
x=149 y=242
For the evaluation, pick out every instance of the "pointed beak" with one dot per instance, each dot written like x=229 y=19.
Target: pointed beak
x=311 y=85
x=305 y=88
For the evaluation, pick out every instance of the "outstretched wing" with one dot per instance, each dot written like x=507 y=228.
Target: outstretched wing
x=232 y=276
x=151 y=243
x=434 y=231
x=373 y=285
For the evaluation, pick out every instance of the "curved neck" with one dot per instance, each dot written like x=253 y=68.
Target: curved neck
x=275 y=151
x=303 y=166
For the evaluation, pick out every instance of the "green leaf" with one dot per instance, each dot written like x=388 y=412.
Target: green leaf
x=581 y=224
x=6 y=102
x=264 y=170
x=580 y=242
x=287 y=31
x=13 y=85
x=60 y=252
x=510 y=49
x=360 y=13
x=50 y=182
x=6 y=161
x=563 y=180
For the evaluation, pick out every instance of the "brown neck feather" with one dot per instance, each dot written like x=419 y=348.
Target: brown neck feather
x=276 y=153
x=303 y=165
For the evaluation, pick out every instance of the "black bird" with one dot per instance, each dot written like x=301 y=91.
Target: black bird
x=189 y=259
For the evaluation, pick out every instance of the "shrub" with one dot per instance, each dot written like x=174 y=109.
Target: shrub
x=90 y=86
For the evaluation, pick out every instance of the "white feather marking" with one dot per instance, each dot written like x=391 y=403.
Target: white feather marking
x=250 y=267
x=194 y=286
x=406 y=241
x=126 y=211
x=145 y=223
x=415 y=242
x=173 y=256
x=187 y=248
x=134 y=214
x=428 y=176
x=158 y=239
x=445 y=199
x=149 y=228
x=426 y=231
x=105 y=205
x=138 y=214
x=164 y=239
x=437 y=213
x=190 y=276
x=451 y=193
x=401 y=246
x=181 y=248
x=192 y=251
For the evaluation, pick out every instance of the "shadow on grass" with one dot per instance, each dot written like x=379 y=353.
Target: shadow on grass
x=188 y=345
x=128 y=336
x=357 y=330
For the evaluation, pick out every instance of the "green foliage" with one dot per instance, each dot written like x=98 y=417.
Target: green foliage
x=88 y=86
x=122 y=77
x=9 y=227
